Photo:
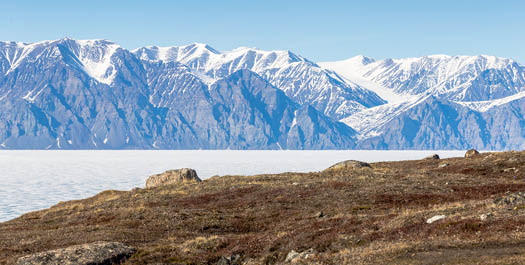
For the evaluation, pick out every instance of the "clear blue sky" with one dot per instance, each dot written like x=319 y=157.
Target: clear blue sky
x=319 y=30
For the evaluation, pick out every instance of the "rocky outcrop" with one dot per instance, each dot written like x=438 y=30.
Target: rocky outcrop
x=104 y=253
x=471 y=153
x=172 y=177
x=349 y=164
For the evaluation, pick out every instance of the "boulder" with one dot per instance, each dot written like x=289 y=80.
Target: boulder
x=471 y=153
x=92 y=254
x=432 y=157
x=172 y=177
x=349 y=164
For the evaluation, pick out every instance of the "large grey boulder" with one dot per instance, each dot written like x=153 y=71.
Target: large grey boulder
x=88 y=254
x=471 y=153
x=172 y=177
x=349 y=164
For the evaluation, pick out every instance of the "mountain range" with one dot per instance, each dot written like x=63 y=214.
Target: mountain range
x=94 y=94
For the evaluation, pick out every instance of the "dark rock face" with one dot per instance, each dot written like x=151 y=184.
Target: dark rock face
x=172 y=177
x=87 y=254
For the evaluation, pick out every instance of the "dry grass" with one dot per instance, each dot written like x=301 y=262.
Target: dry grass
x=369 y=216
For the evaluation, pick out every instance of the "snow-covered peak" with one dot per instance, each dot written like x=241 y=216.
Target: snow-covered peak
x=203 y=58
x=14 y=53
x=95 y=56
x=359 y=60
x=454 y=77
x=175 y=53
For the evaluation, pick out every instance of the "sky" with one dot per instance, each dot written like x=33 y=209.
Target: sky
x=325 y=30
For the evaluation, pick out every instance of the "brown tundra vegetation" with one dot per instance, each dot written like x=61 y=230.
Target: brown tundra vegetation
x=355 y=214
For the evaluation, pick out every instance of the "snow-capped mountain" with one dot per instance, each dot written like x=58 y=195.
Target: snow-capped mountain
x=438 y=101
x=70 y=94
x=94 y=94
x=302 y=80
x=459 y=78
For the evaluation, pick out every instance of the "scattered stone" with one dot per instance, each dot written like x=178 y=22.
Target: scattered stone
x=484 y=216
x=291 y=256
x=86 y=254
x=512 y=198
x=471 y=153
x=432 y=157
x=512 y=169
x=295 y=257
x=435 y=218
x=443 y=165
x=349 y=164
x=232 y=260
x=172 y=177
x=295 y=183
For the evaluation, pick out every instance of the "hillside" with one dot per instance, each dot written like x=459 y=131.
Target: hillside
x=351 y=214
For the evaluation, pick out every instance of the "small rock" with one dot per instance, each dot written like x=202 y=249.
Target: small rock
x=172 y=177
x=232 y=260
x=223 y=261
x=349 y=164
x=319 y=214
x=435 y=218
x=443 y=165
x=512 y=169
x=135 y=190
x=87 y=254
x=291 y=256
x=471 y=153
x=484 y=217
x=295 y=183
x=294 y=256
x=432 y=157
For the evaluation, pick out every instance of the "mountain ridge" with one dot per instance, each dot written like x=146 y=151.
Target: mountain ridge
x=94 y=94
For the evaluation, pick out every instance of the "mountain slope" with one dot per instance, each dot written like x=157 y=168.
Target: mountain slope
x=70 y=94
x=302 y=80
x=439 y=124
x=459 y=78
x=94 y=94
